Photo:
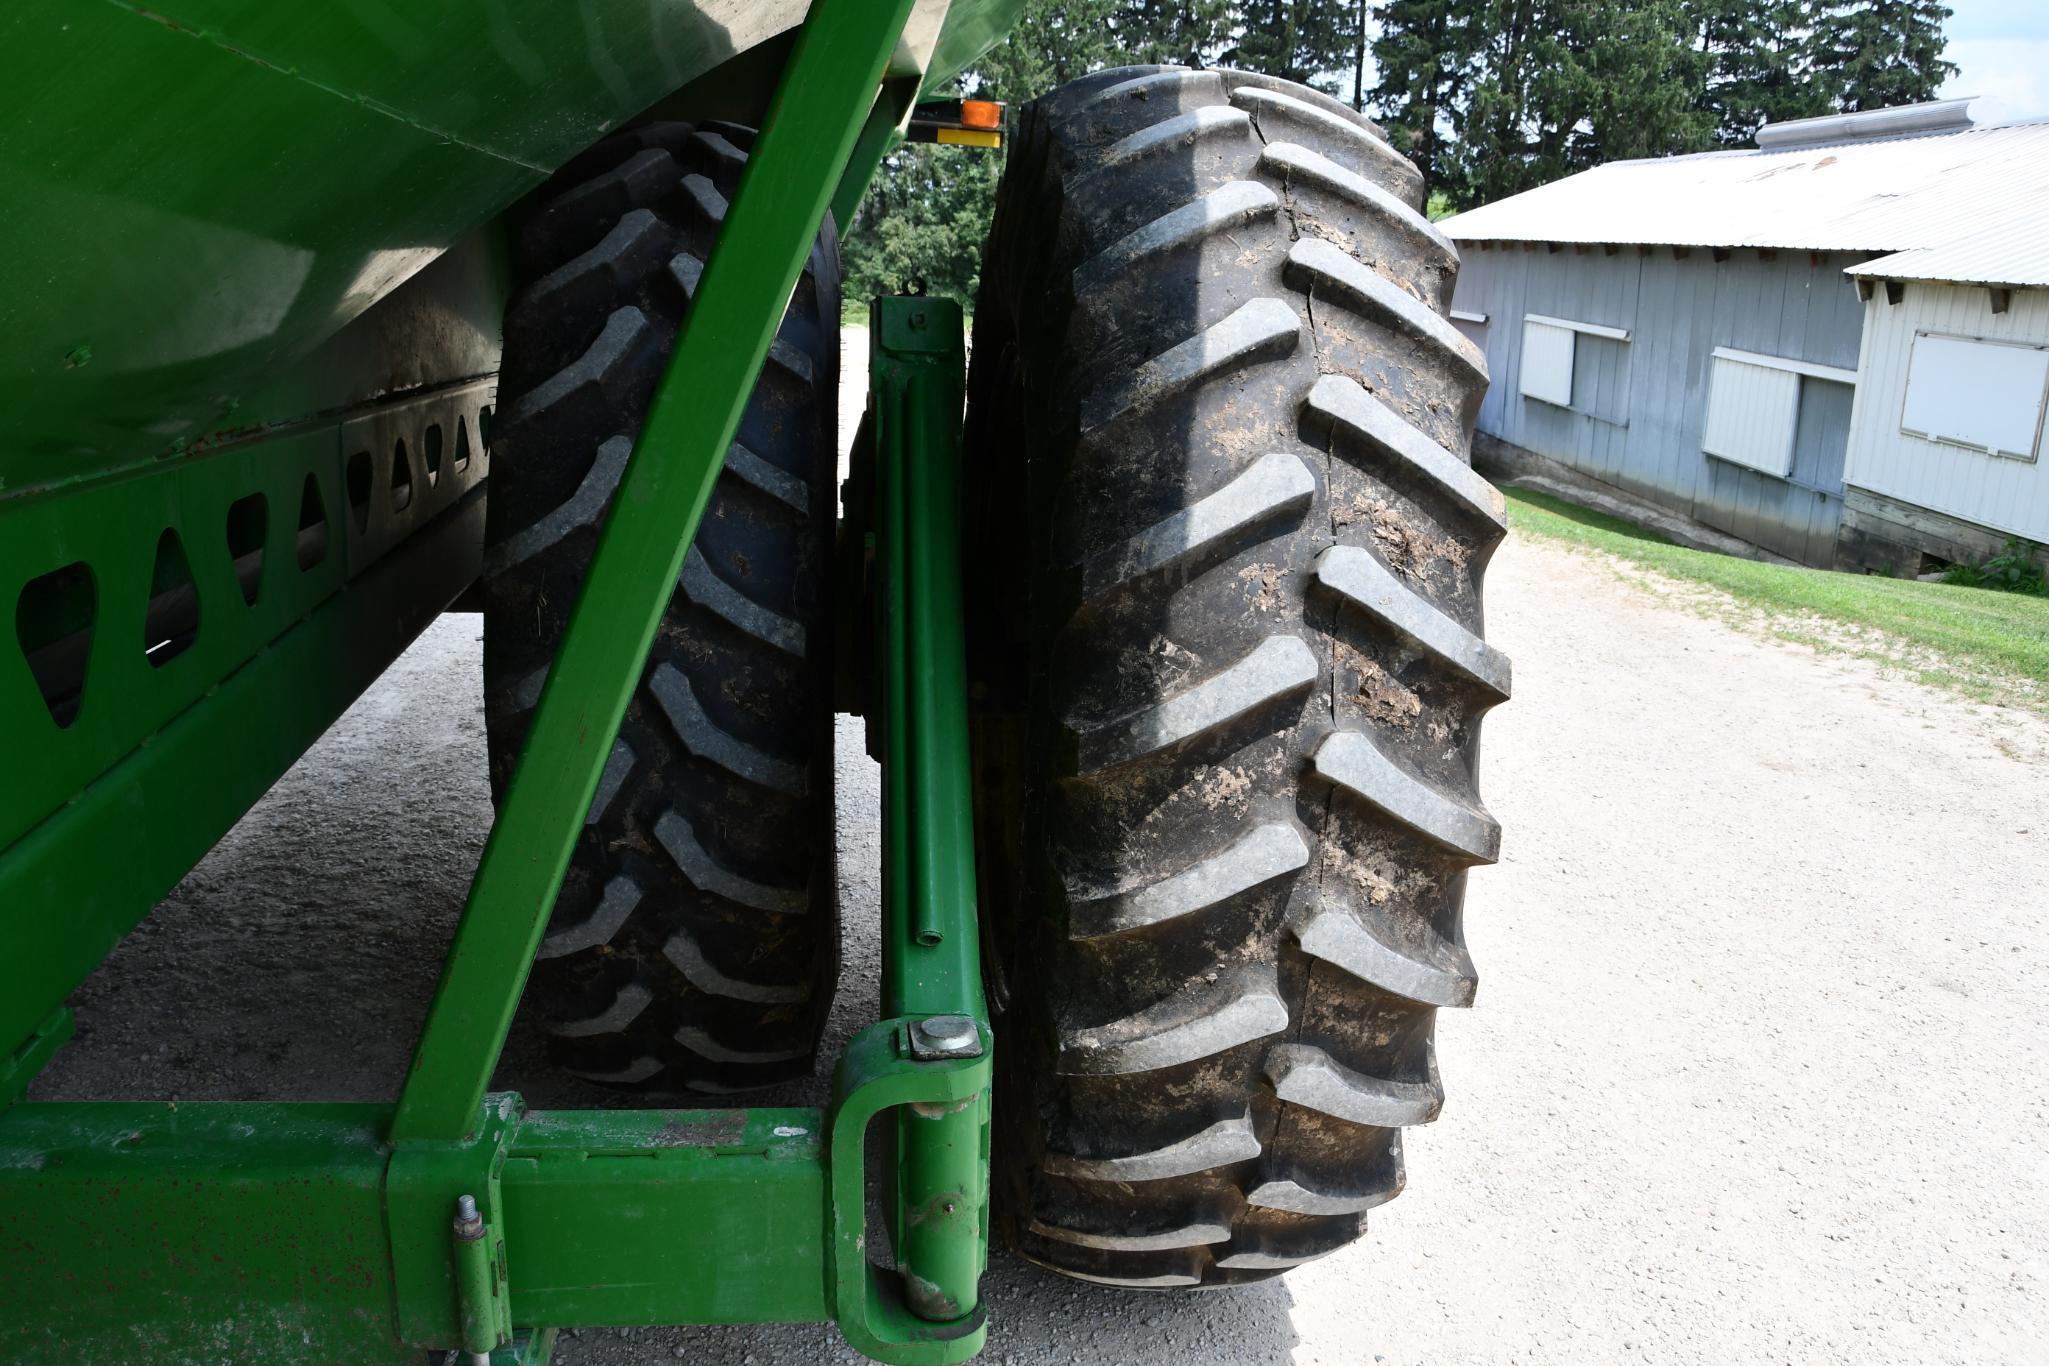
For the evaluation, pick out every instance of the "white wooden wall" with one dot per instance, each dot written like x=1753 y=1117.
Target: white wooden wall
x=1996 y=491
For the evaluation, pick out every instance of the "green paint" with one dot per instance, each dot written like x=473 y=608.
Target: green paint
x=928 y=876
x=254 y=1231
x=238 y=1231
x=167 y=1232
x=725 y=1225
x=242 y=1231
x=186 y=749
x=19 y=1068
x=875 y=1074
x=831 y=82
x=208 y=189
x=878 y=135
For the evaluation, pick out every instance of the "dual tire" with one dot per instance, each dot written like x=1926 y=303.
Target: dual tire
x=694 y=944
x=1234 y=671
x=1224 y=554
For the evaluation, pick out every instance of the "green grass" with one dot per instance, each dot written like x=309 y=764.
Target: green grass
x=1990 y=646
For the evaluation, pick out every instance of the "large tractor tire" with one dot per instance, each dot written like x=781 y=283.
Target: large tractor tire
x=694 y=943
x=1226 y=549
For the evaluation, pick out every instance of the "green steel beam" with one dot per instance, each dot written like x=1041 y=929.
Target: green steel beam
x=831 y=83
x=916 y=378
x=80 y=880
x=19 y=1068
x=169 y=1232
x=878 y=135
x=726 y=1223
x=113 y=529
x=933 y=966
x=235 y=1231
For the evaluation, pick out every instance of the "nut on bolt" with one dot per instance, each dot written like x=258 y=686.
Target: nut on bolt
x=469 y=1225
x=945 y=1036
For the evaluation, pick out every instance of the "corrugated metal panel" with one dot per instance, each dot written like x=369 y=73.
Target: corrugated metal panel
x=1995 y=491
x=2013 y=253
x=1750 y=415
x=1546 y=370
x=1881 y=196
x=1639 y=407
x=1823 y=435
x=1600 y=378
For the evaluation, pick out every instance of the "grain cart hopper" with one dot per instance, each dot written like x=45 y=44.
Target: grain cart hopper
x=319 y=318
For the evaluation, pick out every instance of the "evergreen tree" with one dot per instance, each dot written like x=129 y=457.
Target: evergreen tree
x=1756 y=59
x=1175 y=32
x=1487 y=97
x=1310 y=41
x=1562 y=85
x=1424 y=56
x=1871 y=54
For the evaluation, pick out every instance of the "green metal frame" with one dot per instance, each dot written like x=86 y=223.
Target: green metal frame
x=98 y=820
x=456 y=1219
x=826 y=93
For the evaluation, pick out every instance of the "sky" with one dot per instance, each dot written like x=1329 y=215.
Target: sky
x=2001 y=48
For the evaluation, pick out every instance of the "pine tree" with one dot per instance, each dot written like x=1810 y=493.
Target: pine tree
x=1310 y=41
x=1756 y=65
x=1561 y=85
x=1424 y=56
x=1871 y=54
x=1176 y=32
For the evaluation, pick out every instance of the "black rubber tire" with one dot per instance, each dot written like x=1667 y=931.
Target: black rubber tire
x=694 y=944
x=1226 y=549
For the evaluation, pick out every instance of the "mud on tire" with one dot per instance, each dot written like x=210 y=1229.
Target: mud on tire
x=1225 y=555
x=693 y=946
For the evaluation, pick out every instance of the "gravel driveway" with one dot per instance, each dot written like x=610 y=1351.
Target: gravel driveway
x=1757 y=1071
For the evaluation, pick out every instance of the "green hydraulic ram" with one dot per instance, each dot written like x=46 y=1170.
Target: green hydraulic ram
x=364 y=1233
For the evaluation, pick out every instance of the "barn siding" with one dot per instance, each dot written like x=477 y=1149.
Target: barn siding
x=1640 y=408
x=2006 y=494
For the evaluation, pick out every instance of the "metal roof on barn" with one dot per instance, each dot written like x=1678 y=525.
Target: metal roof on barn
x=2012 y=252
x=1967 y=203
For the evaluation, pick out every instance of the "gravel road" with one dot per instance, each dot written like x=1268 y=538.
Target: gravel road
x=1759 y=1069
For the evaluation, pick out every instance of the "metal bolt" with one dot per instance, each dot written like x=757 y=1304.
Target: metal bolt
x=469 y=1225
x=945 y=1036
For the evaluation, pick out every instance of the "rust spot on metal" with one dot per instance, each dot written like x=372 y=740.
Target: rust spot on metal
x=703 y=1129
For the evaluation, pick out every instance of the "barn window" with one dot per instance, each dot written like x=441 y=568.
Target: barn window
x=1988 y=396
x=1753 y=407
x=1547 y=363
x=1547 y=359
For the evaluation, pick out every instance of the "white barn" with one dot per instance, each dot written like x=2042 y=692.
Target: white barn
x=1834 y=346
x=1945 y=451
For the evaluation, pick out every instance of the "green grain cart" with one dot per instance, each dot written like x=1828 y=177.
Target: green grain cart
x=317 y=319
